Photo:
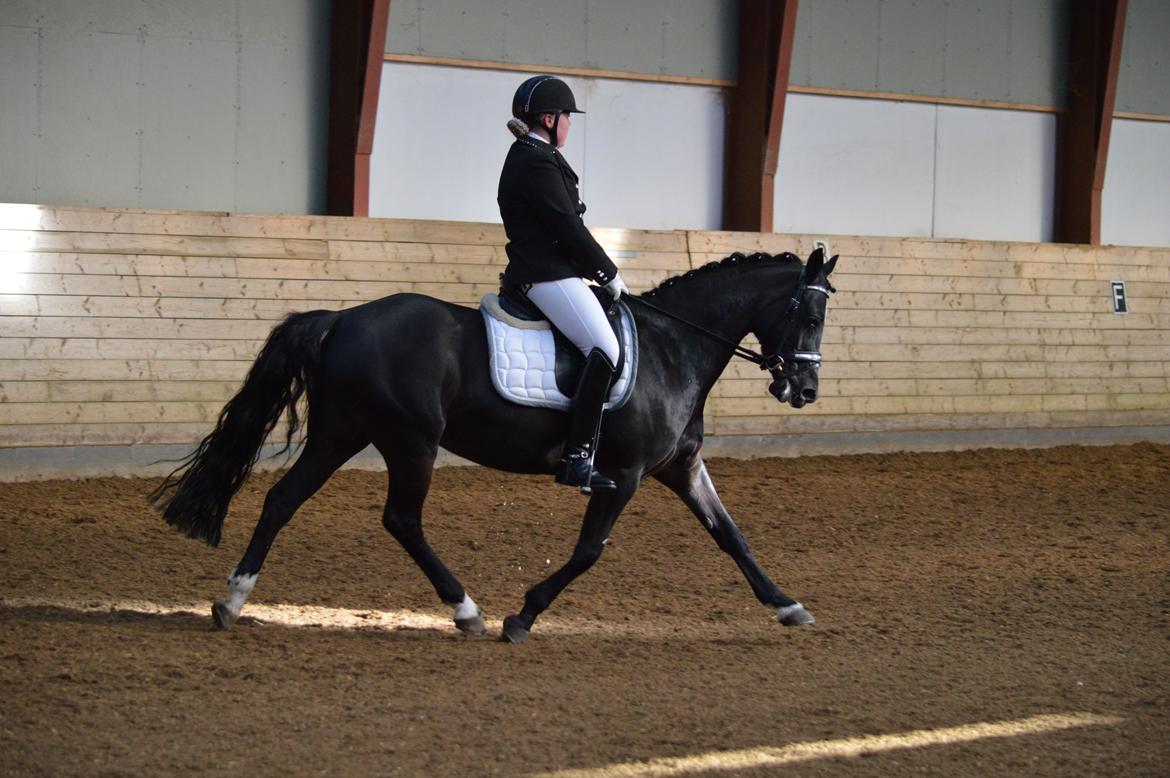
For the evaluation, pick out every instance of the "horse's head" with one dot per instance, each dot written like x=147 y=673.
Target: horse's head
x=790 y=328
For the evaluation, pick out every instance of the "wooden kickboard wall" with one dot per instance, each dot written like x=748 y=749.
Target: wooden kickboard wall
x=132 y=328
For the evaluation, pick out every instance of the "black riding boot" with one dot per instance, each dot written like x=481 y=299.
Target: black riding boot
x=585 y=428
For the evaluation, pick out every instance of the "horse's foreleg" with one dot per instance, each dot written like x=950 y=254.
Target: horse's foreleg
x=310 y=472
x=410 y=480
x=690 y=481
x=600 y=515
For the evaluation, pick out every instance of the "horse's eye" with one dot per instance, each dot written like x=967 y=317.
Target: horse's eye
x=812 y=324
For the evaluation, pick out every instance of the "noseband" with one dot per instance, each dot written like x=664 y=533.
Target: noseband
x=774 y=362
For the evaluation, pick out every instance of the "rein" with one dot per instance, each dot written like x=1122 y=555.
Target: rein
x=774 y=362
x=743 y=352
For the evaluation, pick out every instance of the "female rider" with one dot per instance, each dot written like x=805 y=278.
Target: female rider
x=550 y=253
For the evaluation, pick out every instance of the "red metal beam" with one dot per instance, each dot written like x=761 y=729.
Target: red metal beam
x=1096 y=30
x=756 y=116
x=375 y=54
x=357 y=48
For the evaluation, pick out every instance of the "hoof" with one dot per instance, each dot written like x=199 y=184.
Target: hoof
x=224 y=618
x=473 y=626
x=794 y=615
x=513 y=632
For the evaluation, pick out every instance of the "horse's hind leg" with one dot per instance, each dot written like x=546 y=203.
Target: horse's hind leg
x=688 y=478
x=409 y=474
x=309 y=473
x=603 y=510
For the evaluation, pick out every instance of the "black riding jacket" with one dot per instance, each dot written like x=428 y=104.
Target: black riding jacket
x=541 y=209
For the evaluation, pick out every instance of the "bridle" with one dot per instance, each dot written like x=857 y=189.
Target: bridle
x=774 y=363
x=803 y=360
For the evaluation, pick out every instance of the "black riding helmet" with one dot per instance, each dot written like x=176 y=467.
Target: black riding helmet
x=543 y=94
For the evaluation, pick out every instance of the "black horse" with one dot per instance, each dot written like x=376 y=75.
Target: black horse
x=409 y=374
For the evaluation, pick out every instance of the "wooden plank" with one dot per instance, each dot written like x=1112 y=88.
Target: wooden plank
x=955 y=387
x=995 y=353
x=447 y=283
x=622 y=75
x=743 y=371
x=213 y=224
x=988 y=268
x=1141 y=117
x=854 y=283
x=15 y=370
x=991 y=267
x=160 y=307
x=960 y=404
x=903 y=317
x=136 y=328
x=125 y=267
x=906 y=97
x=799 y=423
x=131 y=243
x=985 y=302
x=417 y=231
x=981 y=336
x=119 y=349
x=724 y=243
x=224 y=288
x=93 y=391
x=84 y=434
x=464 y=294
x=382 y=252
x=361 y=265
x=107 y=412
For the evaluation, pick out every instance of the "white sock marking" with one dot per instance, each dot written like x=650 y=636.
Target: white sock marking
x=466 y=609
x=787 y=610
x=239 y=587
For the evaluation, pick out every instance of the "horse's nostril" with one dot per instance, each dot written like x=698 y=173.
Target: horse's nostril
x=809 y=395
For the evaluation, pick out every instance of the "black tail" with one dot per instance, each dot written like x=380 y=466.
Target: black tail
x=194 y=497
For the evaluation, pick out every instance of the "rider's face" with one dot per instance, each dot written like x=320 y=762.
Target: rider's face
x=562 y=128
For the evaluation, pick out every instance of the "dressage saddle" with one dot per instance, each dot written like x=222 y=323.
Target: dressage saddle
x=569 y=359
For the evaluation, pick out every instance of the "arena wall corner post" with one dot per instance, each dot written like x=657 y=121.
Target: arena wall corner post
x=756 y=113
x=357 y=51
x=1096 y=30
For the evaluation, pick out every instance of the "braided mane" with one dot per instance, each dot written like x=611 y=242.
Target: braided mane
x=735 y=260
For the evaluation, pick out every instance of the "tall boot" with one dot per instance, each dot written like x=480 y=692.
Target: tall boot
x=585 y=427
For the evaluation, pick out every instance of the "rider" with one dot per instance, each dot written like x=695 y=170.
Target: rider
x=550 y=253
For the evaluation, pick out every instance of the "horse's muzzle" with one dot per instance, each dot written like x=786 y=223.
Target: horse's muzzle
x=781 y=389
x=786 y=390
x=804 y=397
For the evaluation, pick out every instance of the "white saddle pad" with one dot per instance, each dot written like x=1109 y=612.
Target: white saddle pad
x=523 y=359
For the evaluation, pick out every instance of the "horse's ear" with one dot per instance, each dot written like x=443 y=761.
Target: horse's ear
x=813 y=268
x=832 y=263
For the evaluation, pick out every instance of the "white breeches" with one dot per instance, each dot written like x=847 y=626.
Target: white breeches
x=570 y=304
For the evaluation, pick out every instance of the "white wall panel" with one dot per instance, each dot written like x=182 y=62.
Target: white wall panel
x=1135 y=203
x=872 y=167
x=994 y=174
x=851 y=166
x=653 y=156
x=649 y=155
x=440 y=141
